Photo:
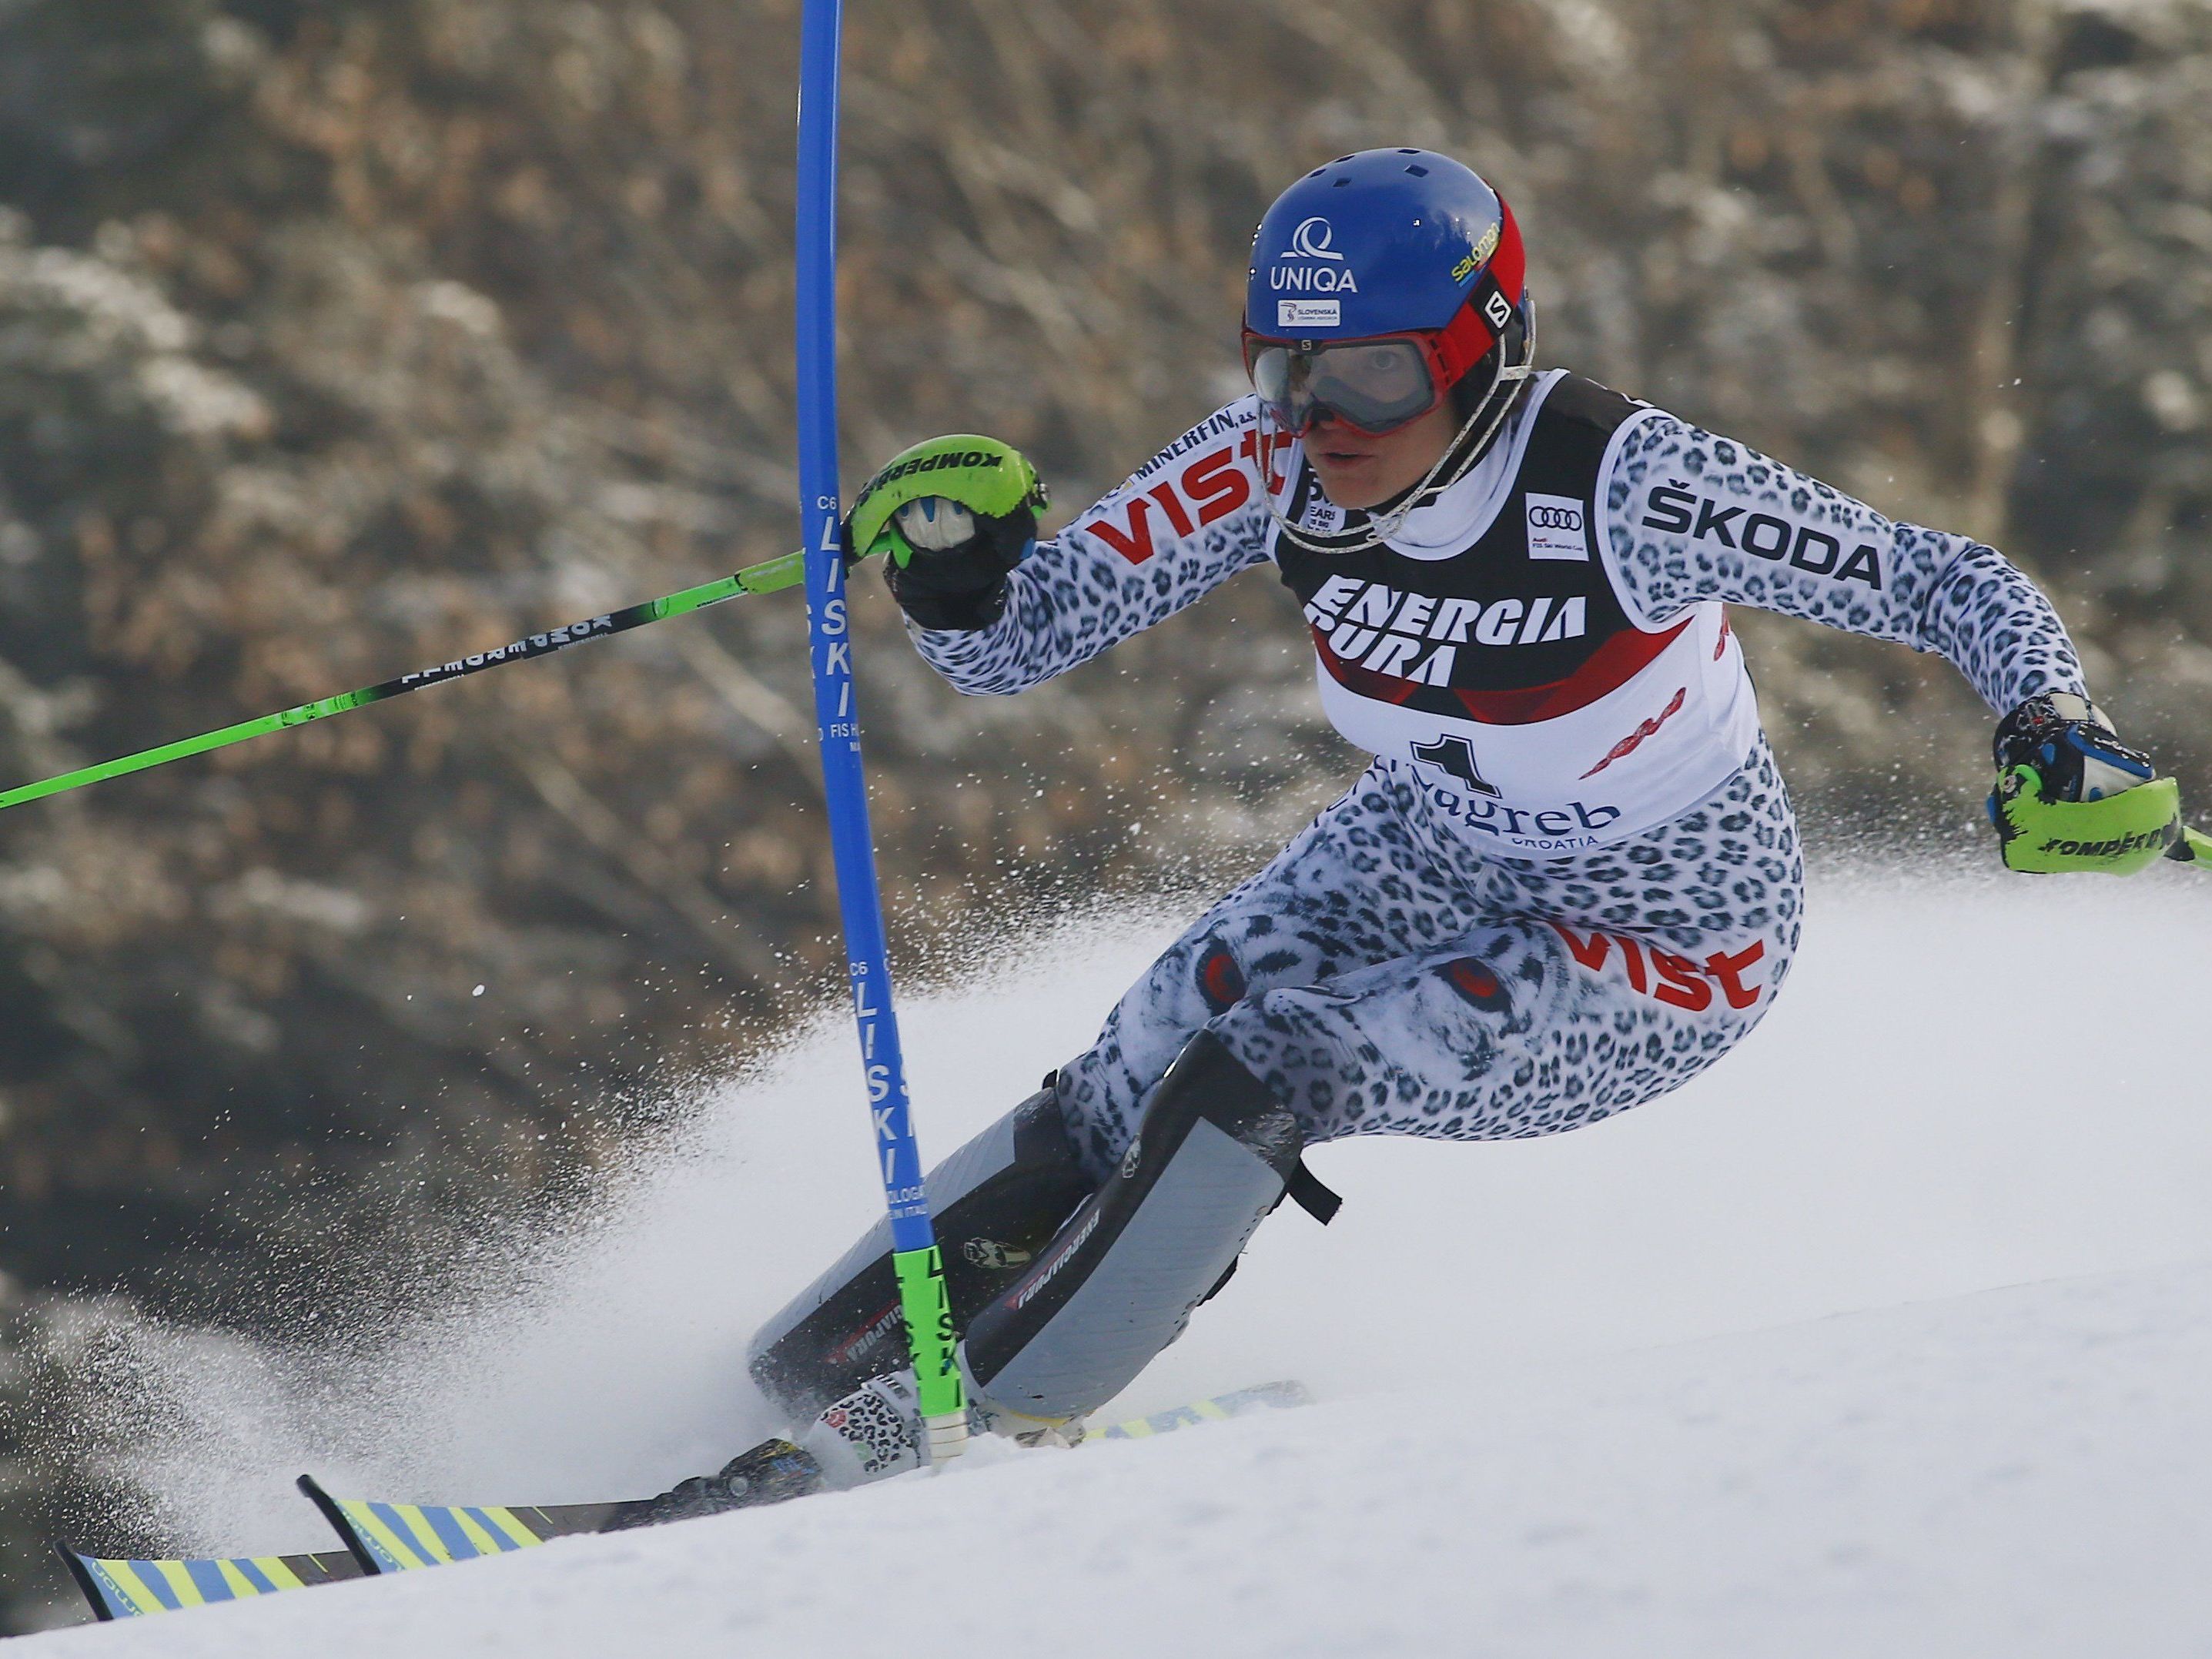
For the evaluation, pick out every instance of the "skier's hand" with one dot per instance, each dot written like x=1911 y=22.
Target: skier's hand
x=2071 y=796
x=953 y=515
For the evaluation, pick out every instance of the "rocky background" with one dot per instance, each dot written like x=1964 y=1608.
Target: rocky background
x=338 y=337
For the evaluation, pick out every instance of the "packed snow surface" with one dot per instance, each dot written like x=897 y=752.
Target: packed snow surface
x=1890 y=1335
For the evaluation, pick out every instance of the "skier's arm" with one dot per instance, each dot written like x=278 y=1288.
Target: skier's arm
x=1691 y=516
x=1187 y=522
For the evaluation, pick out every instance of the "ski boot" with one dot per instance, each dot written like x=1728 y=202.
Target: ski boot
x=770 y=1473
x=876 y=1431
x=872 y=1434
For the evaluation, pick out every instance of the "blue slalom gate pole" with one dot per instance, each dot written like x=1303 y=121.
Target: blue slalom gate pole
x=920 y=1268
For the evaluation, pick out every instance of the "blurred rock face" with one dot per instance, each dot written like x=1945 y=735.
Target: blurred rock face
x=340 y=338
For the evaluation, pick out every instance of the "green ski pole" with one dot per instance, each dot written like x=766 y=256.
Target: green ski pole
x=789 y=571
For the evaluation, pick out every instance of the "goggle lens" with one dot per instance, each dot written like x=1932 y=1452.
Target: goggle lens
x=1377 y=385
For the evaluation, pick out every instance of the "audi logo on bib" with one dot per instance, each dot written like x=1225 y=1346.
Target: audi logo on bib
x=1555 y=528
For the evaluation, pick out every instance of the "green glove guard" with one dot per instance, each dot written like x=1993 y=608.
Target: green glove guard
x=988 y=477
x=2119 y=834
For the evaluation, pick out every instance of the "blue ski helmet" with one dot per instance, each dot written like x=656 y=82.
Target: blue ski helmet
x=1401 y=242
x=1381 y=285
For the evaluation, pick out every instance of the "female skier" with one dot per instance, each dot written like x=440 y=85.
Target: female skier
x=1569 y=880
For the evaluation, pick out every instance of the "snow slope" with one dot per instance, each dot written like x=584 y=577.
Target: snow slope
x=2018 y=1473
x=1614 y=1392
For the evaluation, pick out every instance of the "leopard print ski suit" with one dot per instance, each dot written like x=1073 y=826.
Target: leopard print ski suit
x=1398 y=970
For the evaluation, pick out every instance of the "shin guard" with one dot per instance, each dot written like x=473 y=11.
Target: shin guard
x=1213 y=1155
x=996 y=1202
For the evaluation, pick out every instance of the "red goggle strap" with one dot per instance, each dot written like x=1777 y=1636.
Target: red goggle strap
x=1491 y=304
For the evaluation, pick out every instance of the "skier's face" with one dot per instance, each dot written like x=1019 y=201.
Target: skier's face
x=1361 y=470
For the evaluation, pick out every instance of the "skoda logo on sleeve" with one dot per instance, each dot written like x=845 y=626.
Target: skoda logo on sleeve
x=1556 y=528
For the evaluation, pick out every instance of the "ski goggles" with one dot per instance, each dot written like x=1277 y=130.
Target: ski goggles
x=1376 y=384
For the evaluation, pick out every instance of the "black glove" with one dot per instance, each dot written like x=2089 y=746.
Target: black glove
x=962 y=587
x=2075 y=754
